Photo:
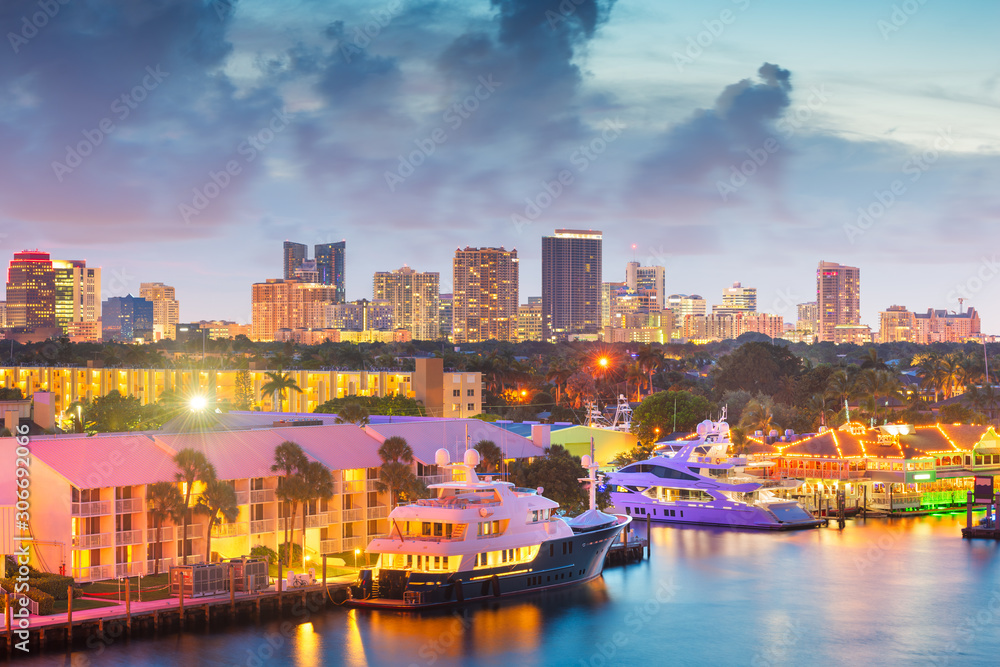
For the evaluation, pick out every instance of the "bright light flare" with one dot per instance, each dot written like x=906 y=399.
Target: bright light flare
x=603 y=362
x=198 y=403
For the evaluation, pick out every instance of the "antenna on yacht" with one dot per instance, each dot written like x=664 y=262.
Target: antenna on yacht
x=588 y=463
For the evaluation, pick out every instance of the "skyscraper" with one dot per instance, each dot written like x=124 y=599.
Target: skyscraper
x=166 y=309
x=737 y=300
x=294 y=255
x=330 y=264
x=78 y=295
x=838 y=298
x=287 y=304
x=485 y=295
x=414 y=299
x=647 y=280
x=31 y=290
x=125 y=318
x=571 y=283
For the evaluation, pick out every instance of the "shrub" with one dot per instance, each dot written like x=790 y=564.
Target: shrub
x=266 y=553
x=43 y=599
x=296 y=553
x=55 y=585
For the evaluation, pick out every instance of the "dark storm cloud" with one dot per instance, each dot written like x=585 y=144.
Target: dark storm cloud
x=113 y=112
x=696 y=154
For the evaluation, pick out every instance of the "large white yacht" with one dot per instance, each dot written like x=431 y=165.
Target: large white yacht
x=481 y=539
x=697 y=482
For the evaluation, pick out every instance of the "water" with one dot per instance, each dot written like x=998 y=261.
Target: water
x=906 y=591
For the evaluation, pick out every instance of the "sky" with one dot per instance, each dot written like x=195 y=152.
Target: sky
x=183 y=141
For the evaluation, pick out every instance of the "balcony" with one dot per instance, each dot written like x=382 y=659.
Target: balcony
x=353 y=515
x=380 y=512
x=195 y=531
x=165 y=564
x=321 y=520
x=242 y=497
x=166 y=534
x=355 y=485
x=93 y=541
x=262 y=526
x=94 y=573
x=351 y=543
x=330 y=546
x=97 y=508
x=433 y=479
x=130 y=569
x=372 y=485
x=125 y=537
x=129 y=505
x=262 y=496
x=238 y=529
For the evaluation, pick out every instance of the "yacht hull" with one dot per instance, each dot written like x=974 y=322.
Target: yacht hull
x=560 y=562
x=724 y=514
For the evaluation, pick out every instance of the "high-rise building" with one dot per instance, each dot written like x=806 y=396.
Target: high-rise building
x=414 y=299
x=646 y=280
x=609 y=292
x=307 y=272
x=940 y=326
x=294 y=255
x=126 y=318
x=485 y=296
x=330 y=263
x=361 y=315
x=571 y=283
x=444 y=316
x=806 y=316
x=78 y=298
x=288 y=304
x=166 y=309
x=31 y=290
x=838 y=298
x=529 y=320
x=897 y=324
x=737 y=300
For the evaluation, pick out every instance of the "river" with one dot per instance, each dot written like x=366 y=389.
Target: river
x=901 y=591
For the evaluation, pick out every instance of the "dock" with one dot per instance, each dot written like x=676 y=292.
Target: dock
x=630 y=548
x=107 y=625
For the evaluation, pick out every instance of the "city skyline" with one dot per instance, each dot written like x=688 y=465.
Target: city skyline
x=706 y=137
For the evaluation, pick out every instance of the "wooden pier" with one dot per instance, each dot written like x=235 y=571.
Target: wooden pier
x=629 y=549
x=107 y=625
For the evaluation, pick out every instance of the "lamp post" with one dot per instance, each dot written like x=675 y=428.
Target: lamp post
x=356 y=552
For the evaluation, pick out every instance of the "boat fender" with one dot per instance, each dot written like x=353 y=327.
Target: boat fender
x=496 y=586
x=483 y=512
x=459 y=592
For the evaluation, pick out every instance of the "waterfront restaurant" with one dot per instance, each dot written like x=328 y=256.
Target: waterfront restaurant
x=897 y=467
x=91 y=518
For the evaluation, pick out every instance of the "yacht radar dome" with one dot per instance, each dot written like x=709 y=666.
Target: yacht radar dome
x=472 y=458
x=441 y=457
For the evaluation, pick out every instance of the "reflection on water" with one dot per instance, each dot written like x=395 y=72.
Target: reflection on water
x=879 y=592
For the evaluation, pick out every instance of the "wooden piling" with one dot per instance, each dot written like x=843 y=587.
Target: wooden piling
x=281 y=580
x=181 y=608
x=649 y=538
x=326 y=588
x=8 y=619
x=128 y=606
x=232 y=591
x=69 y=615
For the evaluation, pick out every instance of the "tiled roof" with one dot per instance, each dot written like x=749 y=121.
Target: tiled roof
x=426 y=437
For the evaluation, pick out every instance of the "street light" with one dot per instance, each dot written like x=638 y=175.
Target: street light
x=356 y=552
x=198 y=403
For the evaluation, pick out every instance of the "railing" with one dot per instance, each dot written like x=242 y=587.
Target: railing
x=372 y=485
x=262 y=496
x=96 y=508
x=166 y=534
x=193 y=559
x=165 y=564
x=353 y=515
x=242 y=497
x=355 y=485
x=262 y=526
x=124 y=537
x=195 y=531
x=93 y=573
x=320 y=520
x=16 y=600
x=229 y=529
x=93 y=541
x=330 y=546
x=894 y=501
x=349 y=543
x=379 y=512
x=129 y=505
x=338 y=488
x=130 y=569
x=433 y=479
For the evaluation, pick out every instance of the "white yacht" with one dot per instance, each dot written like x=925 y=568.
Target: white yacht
x=481 y=539
x=697 y=482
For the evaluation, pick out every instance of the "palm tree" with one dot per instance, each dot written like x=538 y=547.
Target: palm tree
x=651 y=359
x=558 y=373
x=490 y=455
x=352 y=413
x=218 y=501
x=289 y=459
x=839 y=386
x=757 y=415
x=194 y=467
x=291 y=493
x=395 y=473
x=317 y=483
x=877 y=383
x=634 y=372
x=165 y=502
x=277 y=384
x=932 y=374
